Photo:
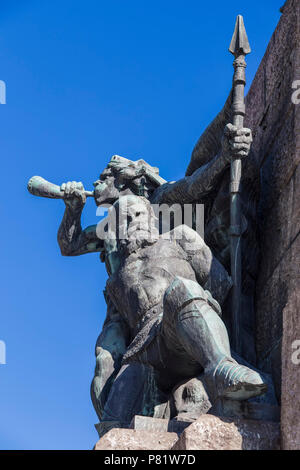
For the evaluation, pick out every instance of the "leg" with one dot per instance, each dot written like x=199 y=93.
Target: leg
x=134 y=392
x=192 y=317
x=110 y=347
x=105 y=373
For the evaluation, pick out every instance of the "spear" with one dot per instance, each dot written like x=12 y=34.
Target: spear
x=239 y=47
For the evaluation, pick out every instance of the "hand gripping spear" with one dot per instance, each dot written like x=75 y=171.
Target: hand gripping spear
x=239 y=47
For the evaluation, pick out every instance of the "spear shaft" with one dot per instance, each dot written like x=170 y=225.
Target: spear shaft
x=239 y=47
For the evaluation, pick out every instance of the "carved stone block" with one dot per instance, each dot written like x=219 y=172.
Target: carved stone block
x=131 y=439
x=213 y=433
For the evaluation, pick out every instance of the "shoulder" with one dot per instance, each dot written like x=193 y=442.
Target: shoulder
x=187 y=238
x=157 y=196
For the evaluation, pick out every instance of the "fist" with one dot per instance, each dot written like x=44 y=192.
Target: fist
x=236 y=142
x=74 y=194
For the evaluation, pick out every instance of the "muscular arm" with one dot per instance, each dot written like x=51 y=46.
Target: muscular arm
x=207 y=164
x=74 y=241
x=211 y=157
x=194 y=187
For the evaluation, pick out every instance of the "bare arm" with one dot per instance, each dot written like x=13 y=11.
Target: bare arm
x=74 y=241
x=204 y=180
x=207 y=163
x=194 y=187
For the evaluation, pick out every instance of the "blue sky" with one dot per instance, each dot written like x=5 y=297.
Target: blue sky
x=85 y=81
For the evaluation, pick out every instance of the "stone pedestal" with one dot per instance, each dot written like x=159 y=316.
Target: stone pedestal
x=206 y=433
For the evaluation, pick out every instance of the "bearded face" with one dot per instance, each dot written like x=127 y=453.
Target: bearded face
x=135 y=223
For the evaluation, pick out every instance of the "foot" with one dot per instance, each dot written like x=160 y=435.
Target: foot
x=237 y=382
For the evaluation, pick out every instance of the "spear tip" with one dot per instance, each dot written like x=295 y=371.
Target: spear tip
x=240 y=43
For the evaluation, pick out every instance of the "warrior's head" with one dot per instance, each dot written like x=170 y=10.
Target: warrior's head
x=124 y=177
x=131 y=223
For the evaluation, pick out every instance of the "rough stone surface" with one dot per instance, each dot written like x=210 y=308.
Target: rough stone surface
x=245 y=410
x=290 y=413
x=130 y=439
x=190 y=398
x=213 y=433
x=147 y=423
x=275 y=121
x=290 y=416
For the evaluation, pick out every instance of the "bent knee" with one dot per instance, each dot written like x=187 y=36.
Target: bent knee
x=183 y=291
